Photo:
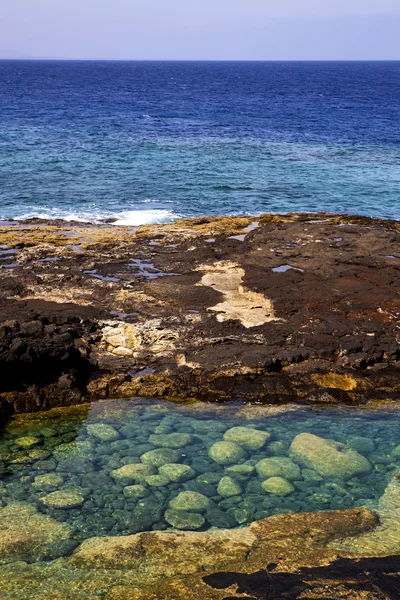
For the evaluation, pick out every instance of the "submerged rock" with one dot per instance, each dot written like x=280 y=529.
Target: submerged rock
x=132 y=472
x=26 y=534
x=136 y=491
x=47 y=482
x=278 y=466
x=328 y=458
x=157 y=480
x=63 y=499
x=182 y=519
x=190 y=501
x=171 y=440
x=227 y=453
x=103 y=432
x=161 y=456
x=177 y=473
x=228 y=487
x=278 y=486
x=249 y=438
x=27 y=442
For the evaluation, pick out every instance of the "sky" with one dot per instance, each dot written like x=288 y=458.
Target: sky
x=201 y=29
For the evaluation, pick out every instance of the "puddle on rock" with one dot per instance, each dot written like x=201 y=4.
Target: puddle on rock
x=119 y=467
x=124 y=468
x=284 y=268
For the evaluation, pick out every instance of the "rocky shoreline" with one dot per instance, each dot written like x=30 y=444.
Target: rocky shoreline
x=272 y=309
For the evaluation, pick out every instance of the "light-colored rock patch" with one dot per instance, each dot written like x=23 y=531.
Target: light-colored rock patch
x=327 y=457
x=250 y=308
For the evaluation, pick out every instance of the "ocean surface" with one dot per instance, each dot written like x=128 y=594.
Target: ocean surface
x=153 y=141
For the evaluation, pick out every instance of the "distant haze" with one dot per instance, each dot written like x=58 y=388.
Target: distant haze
x=201 y=29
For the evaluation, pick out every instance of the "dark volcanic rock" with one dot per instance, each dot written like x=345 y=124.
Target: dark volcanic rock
x=271 y=308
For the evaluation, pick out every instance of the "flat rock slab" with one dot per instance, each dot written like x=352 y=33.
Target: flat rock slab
x=273 y=308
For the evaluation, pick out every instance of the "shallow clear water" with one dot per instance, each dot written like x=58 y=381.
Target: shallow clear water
x=150 y=141
x=62 y=452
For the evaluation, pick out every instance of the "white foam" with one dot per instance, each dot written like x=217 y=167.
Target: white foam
x=145 y=217
x=128 y=217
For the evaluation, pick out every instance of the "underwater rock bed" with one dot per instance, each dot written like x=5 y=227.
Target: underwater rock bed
x=122 y=467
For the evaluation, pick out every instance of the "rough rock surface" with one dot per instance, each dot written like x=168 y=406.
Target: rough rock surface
x=295 y=307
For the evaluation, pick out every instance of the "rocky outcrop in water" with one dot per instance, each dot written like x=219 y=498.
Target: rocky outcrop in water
x=271 y=308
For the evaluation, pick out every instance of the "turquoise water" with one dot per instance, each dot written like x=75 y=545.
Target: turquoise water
x=69 y=467
x=151 y=141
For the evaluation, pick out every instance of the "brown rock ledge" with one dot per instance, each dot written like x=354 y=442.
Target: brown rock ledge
x=275 y=308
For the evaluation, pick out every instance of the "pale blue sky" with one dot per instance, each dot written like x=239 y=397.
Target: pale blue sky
x=200 y=29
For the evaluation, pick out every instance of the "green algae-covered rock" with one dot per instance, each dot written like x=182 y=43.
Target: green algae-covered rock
x=182 y=519
x=243 y=470
x=327 y=457
x=278 y=466
x=249 y=438
x=177 y=473
x=364 y=445
x=157 y=480
x=226 y=453
x=26 y=534
x=396 y=452
x=136 y=491
x=132 y=472
x=47 y=482
x=278 y=486
x=27 y=442
x=160 y=456
x=63 y=499
x=190 y=501
x=228 y=487
x=171 y=440
x=103 y=432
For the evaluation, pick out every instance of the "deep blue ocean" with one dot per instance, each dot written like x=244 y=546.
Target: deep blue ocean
x=151 y=141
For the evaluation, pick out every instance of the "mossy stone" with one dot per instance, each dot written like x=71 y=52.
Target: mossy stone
x=363 y=445
x=160 y=456
x=182 y=519
x=190 y=501
x=244 y=470
x=278 y=486
x=278 y=466
x=157 y=480
x=247 y=437
x=27 y=442
x=103 y=432
x=228 y=487
x=136 y=491
x=132 y=472
x=47 y=482
x=171 y=440
x=177 y=473
x=63 y=499
x=227 y=453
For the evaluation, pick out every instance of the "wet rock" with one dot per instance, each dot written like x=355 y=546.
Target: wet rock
x=136 y=491
x=227 y=453
x=103 y=432
x=278 y=466
x=177 y=473
x=190 y=501
x=47 y=482
x=157 y=480
x=171 y=440
x=27 y=442
x=181 y=519
x=251 y=439
x=278 y=486
x=228 y=487
x=63 y=499
x=26 y=534
x=243 y=470
x=132 y=472
x=161 y=456
x=328 y=458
